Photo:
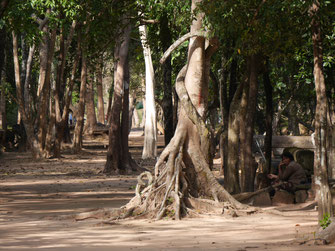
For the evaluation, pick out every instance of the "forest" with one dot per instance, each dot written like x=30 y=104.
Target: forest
x=227 y=80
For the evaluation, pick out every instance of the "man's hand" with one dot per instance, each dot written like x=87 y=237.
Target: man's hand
x=272 y=176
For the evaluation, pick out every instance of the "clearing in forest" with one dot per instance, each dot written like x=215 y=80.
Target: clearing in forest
x=35 y=197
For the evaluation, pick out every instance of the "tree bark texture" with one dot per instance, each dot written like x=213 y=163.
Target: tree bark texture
x=101 y=111
x=324 y=196
x=29 y=127
x=231 y=175
x=113 y=163
x=150 y=128
x=248 y=170
x=91 y=119
x=78 y=130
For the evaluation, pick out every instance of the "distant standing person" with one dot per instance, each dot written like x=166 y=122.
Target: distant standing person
x=290 y=173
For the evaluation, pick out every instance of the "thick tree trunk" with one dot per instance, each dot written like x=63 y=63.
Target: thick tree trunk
x=101 y=112
x=150 y=128
x=167 y=103
x=78 y=130
x=231 y=174
x=182 y=171
x=113 y=164
x=324 y=196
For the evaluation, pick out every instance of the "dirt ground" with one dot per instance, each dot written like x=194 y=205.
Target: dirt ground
x=33 y=193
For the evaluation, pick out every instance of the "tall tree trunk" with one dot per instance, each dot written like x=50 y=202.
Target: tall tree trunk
x=113 y=164
x=91 y=120
x=324 y=196
x=44 y=87
x=167 y=103
x=78 y=130
x=101 y=112
x=62 y=121
x=128 y=164
x=249 y=165
x=3 y=121
x=243 y=124
x=268 y=117
x=224 y=112
x=29 y=127
x=150 y=129
x=231 y=174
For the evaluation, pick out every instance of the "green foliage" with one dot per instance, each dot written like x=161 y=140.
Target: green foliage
x=325 y=222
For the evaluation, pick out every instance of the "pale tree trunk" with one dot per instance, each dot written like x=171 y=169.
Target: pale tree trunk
x=78 y=130
x=150 y=128
x=323 y=194
x=132 y=110
x=101 y=112
x=113 y=163
x=136 y=118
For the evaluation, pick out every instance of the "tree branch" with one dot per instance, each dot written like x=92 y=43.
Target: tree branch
x=179 y=42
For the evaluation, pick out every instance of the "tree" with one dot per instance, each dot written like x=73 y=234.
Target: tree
x=150 y=128
x=324 y=196
x=182 y=170
x=115 y=163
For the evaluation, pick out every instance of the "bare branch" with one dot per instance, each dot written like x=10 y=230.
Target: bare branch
x=180 y=41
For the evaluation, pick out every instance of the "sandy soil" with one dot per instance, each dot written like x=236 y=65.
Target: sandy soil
x=32 y=193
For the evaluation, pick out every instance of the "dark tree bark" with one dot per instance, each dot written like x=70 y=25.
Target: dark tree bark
x=3 y=121
x=249 y=167
x=113 y=164
x=62 y=101
x=167 y=105
x=3 y=6
x=268 y=117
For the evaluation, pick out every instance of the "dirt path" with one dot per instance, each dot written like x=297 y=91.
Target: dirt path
x=32 y=193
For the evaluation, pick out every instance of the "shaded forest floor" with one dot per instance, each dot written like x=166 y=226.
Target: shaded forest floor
x=32 y=193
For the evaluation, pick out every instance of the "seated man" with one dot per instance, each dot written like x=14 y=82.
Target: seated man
x=290 y=173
